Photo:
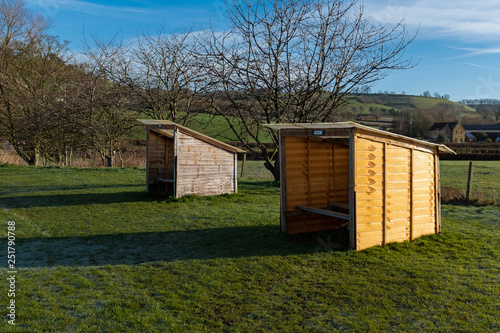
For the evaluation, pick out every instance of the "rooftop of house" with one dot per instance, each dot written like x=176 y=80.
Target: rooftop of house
x=482 y=128
x=441 y=125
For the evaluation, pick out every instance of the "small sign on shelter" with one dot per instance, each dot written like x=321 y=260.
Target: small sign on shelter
x=381 y=186
x=181 y=161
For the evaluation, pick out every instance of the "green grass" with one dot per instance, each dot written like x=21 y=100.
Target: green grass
x=96 y=254
x=366 y=106
x=217 y=127
x=485 y=186
x=399 y=102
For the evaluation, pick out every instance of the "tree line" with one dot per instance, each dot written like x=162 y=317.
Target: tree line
x=282 y=61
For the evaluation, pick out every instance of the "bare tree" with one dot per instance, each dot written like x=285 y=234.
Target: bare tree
x=33 y=82
x=496 y=112
x=296 y=61
x=108 y=107
x=167 y=75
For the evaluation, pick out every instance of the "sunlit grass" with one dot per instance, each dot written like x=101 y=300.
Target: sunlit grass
x=97 y=254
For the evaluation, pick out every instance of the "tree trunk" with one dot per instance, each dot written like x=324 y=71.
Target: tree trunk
x=275 y=169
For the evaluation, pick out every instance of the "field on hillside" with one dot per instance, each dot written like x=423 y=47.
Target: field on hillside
x=95 y=253
x=398 y=102
x=217 y=127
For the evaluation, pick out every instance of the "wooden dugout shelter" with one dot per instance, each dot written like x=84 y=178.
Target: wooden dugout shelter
x=383 y=186
x=181 y=161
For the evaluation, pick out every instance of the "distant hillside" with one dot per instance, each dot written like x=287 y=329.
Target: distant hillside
x=399 y=102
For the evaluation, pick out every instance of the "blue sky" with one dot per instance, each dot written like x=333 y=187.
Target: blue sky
x=457 y=47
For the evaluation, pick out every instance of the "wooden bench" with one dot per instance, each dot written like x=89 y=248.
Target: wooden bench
x=338 y=205
x=161 y=180
x=324 y=212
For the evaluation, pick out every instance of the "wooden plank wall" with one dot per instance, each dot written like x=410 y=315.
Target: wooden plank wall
x=370 y=193
x=424 y=194
x=398 y=193
x=202 y=168
x=395 y=190
x=317 y=172
x=161 y=163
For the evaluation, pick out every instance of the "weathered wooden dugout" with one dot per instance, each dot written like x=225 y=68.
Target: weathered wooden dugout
x=181 y=161
x=384 y=187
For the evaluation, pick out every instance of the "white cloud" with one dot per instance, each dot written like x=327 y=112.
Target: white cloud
x=484 y=67
x=476 y=51
x=52 y=7
x=460 y=19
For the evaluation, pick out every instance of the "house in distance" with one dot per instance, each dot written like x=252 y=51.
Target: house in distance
x=450 y=131
x=181 y=161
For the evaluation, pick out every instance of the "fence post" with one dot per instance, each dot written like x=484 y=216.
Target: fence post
x=243 y=165
x=469 y=182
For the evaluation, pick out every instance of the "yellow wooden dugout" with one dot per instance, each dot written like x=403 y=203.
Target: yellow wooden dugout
x=381 y=186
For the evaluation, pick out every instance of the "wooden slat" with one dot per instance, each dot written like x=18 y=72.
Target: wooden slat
x=397 y=223
x=397 y=185
x=323 y=212
x=369 y=145
x=368 y=227
x=419 y=183
x=423 y=174
x=424 y=229
x=368 y=239
x=367 y=211
x=428 y=197
x=395 y=215
x=369 y=156
x=429 y=219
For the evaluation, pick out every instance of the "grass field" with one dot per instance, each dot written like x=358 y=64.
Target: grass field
x=485 y=185
x=96 y=254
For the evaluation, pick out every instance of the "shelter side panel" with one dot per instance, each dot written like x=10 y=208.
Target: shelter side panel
x=369 y=193
x=202 y=168
x=398 y=192
x=424 y=196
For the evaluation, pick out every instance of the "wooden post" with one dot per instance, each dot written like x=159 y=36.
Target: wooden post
x=243 y=165
x=352 y=190
x=235 y=173
x=437 y=193
x=283 y=191
x=384 y=197
x=469 y=182
x=147 y=159
x=411 y=192
x=176 y=146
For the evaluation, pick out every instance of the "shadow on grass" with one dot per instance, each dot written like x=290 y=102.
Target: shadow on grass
x=132 y=249
x=72 y=199
x=259 y=187
x=52 y=187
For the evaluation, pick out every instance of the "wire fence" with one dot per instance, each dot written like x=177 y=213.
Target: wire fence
x=470 y=181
